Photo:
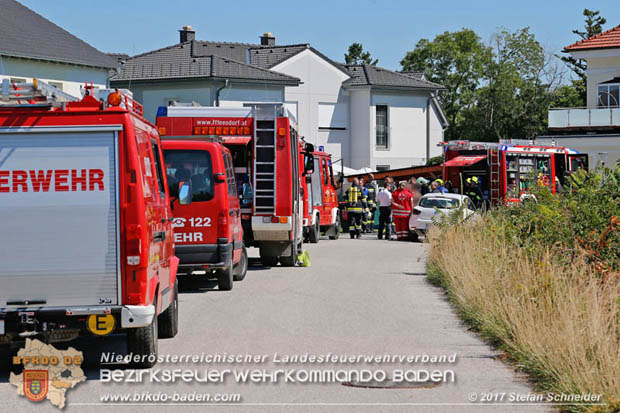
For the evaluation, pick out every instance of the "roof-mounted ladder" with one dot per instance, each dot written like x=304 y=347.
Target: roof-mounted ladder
x=37 y=93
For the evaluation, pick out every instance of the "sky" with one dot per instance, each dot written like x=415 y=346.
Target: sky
x=386 y=28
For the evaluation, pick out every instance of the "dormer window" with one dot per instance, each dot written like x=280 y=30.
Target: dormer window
x=608 y=94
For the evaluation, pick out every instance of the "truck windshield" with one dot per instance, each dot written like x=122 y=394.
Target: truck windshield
x=192 y=166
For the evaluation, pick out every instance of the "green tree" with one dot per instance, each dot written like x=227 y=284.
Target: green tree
x=358 y=56
x=567 y=96
x=593 y=25
x=514 y=100
x=496 y=91
x=458 y=61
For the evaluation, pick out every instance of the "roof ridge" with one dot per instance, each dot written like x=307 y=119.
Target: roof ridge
x=228 y=43
x=278 y=46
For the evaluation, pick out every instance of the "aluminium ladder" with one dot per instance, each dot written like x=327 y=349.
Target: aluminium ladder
x=37 y=93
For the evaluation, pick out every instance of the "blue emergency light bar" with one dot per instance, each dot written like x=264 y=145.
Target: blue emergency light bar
x=162 y=111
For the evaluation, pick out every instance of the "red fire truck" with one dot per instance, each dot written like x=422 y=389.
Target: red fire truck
x=86 y=220
x=264 y=144
x=505 y=169
x=321 y=213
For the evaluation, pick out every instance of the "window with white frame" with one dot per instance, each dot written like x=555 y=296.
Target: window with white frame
x=382 y=127
x=608 y=95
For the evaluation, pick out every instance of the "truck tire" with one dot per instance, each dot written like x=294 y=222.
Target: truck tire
x=169 y=320
x=315 y=232
x=291 y=259
x=269 y=261
x=142 y=342
x=225 y=278
x=336 y=228
x=241 y=269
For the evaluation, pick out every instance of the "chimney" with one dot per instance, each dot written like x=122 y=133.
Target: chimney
x=187 y=34
x=268 y=39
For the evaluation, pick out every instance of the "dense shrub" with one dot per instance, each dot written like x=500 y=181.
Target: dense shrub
x=541 y=281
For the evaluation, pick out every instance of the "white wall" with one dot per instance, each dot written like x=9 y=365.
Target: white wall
x=236 y=94
x=321 y=85
x=437 y=132
x=407 y=128
x=71 y=77
x=362 y=124
x=603 y=65
x=152 y=96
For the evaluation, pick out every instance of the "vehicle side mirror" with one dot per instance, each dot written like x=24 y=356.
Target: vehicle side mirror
x=308 y=147
x=308 y=179
x=219 y=178
x=185 y=193
x=309 y=165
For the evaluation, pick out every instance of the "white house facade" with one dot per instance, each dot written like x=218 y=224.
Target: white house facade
x=368 y=116
x=594 y=129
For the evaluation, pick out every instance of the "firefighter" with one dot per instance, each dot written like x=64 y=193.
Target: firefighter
x=437 y=187
x=423 y=185
x=354 y=197
x=365 y=209
x=473 y=191
x=371 y=186
x=401 y=210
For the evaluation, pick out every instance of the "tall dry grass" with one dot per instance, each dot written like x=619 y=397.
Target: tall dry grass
x=557 y=322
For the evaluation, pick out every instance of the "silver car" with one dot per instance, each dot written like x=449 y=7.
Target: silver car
x=437 y=203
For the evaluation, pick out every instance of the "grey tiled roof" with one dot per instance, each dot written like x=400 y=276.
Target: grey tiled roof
x=229 y=50
x=367 y=75
x=24 y=33
x=415 y=75
x=269 y=56
x=119 y=57
x=187 y=60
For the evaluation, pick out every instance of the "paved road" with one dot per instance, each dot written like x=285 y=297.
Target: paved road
x=359 y=297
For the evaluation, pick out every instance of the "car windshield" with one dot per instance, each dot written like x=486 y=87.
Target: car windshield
x=441 y=203
x=192 y=166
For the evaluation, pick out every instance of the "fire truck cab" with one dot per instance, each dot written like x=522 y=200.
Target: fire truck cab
x=321 y=213
x=86 y=220
x=207 y=216
x=506 y=169
x=264 y=145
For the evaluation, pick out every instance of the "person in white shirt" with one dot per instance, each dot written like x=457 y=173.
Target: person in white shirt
x=384 y=199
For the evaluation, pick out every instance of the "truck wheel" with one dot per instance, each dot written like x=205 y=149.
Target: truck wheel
x=290 y=260
x=269 y=261
x=142 y=344
x=315 y=232
x=241 y=268
x=225 y=278
x=336 y=228
x=169 y=320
